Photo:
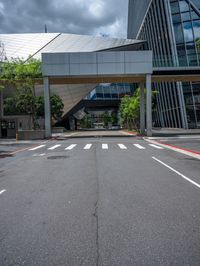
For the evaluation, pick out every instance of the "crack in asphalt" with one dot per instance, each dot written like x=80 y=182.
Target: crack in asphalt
x=96 y=207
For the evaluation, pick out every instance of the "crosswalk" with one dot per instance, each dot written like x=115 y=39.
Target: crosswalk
x=104 y=146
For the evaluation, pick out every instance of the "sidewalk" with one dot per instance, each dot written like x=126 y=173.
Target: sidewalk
x=93 y=133
x=171 y=132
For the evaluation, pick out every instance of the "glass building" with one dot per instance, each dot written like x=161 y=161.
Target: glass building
x=114 y=91
x=172 y=30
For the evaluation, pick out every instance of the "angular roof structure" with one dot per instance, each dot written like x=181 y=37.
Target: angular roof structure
x=33 y=44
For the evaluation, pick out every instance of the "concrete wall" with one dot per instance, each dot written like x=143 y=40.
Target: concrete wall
x=96 y=64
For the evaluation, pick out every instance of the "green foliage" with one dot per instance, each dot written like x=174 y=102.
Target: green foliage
x=106 y=118
x=56 y=107
x=10 y=107
x=114 y=118
x=198 y=45
x=24 y=102
x=86 y=122
x=17 y=69
x=130 y=110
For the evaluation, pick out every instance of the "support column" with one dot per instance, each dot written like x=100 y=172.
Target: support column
x=47 y=108
x=142 y=109
x=149 y=105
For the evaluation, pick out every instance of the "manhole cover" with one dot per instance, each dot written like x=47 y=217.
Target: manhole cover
x=57 y=157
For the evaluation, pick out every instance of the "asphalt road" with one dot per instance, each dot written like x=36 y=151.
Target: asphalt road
x=99 y=204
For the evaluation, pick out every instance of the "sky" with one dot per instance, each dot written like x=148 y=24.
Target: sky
x=93 y=17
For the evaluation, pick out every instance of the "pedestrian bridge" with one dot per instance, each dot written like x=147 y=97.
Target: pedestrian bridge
x=111 y=67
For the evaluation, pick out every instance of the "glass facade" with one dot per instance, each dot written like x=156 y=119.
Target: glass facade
x=112 y=91
x=172 y=31
x=186 y=25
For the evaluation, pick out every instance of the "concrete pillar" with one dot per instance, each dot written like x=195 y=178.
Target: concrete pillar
x=149 y=105
x=47 y=108
x=142 y=109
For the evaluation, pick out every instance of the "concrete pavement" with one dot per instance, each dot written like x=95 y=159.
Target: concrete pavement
x=99 y=201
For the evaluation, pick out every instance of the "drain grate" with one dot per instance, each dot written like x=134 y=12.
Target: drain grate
x=58 y=157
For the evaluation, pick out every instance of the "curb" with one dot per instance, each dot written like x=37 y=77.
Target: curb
x=191 y=153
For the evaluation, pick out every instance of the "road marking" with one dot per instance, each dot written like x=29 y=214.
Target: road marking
x=87 y=147
x=38 y=147
x=38 y=155
x=139 y=146
x=105 y=146
x=54 y=147
x=155 y=146
x=71 y=147
x=178 y=173
x=122 y=146
x=2 y=191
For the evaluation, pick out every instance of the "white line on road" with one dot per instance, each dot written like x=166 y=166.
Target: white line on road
x=71 y=147
x=155 y=146
x=54 y=147
x=38 y=155
x=122 y=146
x=105 y=146
x=178 y=173
x=36 y=148
x=87 y=146
x=2 y=191
x=139 y=146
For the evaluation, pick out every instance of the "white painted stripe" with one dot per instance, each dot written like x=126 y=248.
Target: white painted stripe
x=87 y=147
x=122 y=146
x=139 y=146
x=2 y=191
x=71 y=147
x=54 y=147
x=155 y=146
x=36 y=148
x=178 y=173
x=38 y=155
x=105 y=146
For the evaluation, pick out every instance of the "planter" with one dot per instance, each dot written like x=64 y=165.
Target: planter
x=30 y=134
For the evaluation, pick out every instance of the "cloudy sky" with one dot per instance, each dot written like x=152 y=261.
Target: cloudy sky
x=98 y=17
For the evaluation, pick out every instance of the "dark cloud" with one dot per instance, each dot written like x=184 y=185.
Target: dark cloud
x=108 y=17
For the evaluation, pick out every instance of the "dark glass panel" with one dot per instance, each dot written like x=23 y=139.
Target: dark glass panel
x=178 y=33
x=194 y=15
x=185 y=16
x=190 y=48
x=174 y=7
x=189 y=105
x=182 y=55
x=192 y=60
x=176 y=18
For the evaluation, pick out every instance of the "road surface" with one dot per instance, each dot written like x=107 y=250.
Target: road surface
x=99 y=201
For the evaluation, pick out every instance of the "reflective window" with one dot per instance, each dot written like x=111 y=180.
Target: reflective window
x=174 y=7
x=194 y=15
x=185 y=16
x=176 y=18
x=196 y=26
x=178 y=33
x=187 y=30
x=184 y=6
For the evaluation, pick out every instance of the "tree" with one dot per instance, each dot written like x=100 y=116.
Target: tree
x=22 y=74
x=130 y=110
x=198 y=45
x=56 y=107
x=106 y=118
